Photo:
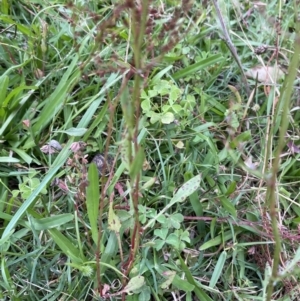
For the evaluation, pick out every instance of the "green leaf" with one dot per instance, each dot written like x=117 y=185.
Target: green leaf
x=199 y=292
x=59 y=161
x=167 y=118
x=51 y=221
x=182 y=284
x=127 y=108
x=175 y=241
x=114 y=223
x=57 y=99
x=218 y=240
x=66 y=246
x=170 y=275
x=183 y=192
x=228 y=206
x=162 y=233
x=158 y=244
x=25 y=157
x=137 y=164
x=154 y=117
x=186 y=190
x=145 y=294
x=218 y=269
x=231 y=188
x=175 y=220
x=74 y=132
x=241 y=138
x=146 y=105
x=134 y=285
x=8 y=160
x=160 y=74
x=4 y=80
x=193 y=69
x=92 y=200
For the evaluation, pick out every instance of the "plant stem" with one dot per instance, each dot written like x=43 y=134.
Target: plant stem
x=284 y=100
x=230 y=45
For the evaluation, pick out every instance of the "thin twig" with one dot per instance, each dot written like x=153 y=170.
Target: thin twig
x=230 y=45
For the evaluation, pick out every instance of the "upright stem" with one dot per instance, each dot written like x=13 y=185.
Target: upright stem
x=230 y=45
x=284 y=102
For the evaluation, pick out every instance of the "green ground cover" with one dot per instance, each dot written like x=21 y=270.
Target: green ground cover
x=149 y=150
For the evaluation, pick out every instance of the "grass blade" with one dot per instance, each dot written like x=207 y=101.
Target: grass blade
x=192 y=69
x=59 y=161
x=218 y=269
x=92 y=200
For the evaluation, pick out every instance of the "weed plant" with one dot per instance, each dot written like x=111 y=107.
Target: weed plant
x=135 y=162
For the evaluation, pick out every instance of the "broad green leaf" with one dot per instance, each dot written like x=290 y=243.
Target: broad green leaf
x=167 y=118
x=92 y=200
x=170 y=275
x=145 y=294
x=175 y=220
x=4 y=241
x=8 y=283
x=186 y=190
x=158 y=244
x=5 y=7
x=154 y=117
x=110 y=251
x=218 y=269
x=175 y=241
x=162 y=233
x=183 y=192
x=16 y=102
x=146 y=105
x=134 y=285
x=51 y=221
x=149 y=183
x=114 y=223
x=23 y=101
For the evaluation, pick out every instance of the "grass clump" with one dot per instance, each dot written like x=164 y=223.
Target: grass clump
x=135 y=162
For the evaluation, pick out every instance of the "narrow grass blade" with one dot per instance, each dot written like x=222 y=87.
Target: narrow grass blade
x=219 y=239
x=92 y=200
x=197 y=290
x=110 y=251
x=59 y=161
x=192 y=69
x=56 y=99
x=4 y=80
x=66 y=246
x=218 y=269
